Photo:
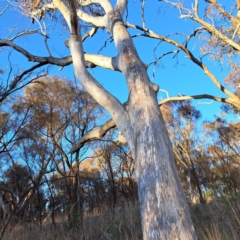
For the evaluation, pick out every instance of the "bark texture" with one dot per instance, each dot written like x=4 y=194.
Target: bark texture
x=164 y=209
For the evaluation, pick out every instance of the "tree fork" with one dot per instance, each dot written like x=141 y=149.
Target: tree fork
x=164 y=209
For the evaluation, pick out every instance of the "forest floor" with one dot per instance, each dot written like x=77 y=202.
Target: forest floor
x=216 y=220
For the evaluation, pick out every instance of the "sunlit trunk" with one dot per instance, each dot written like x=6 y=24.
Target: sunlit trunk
x=164 y=209
x=163 y=205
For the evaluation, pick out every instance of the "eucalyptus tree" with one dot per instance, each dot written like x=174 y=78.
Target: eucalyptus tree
x=163 y=206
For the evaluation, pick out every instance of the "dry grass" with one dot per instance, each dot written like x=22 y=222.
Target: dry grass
x=123 y=225
x=218 y=220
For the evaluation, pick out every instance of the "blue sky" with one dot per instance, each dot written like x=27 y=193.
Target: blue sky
x=185 y=77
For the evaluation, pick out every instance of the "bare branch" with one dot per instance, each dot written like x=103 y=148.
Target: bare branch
x=218 y=34
x=162 y=90
x=229 y=100
x=190 y=55
x=105 y=62
x=64 y=10
x=195 y=32
x=96 y=60
x=238 y=8
x=73 y=18
x=51 y=60
x=4 y=10
x=17 y=79
x=96 y=21
x=22 y=33
x=100 y=131
x=40 y=12
x=235 y=22
x=183 y=98
x=103 y=97
x=143 y=9
x=95 y=133
x=196 y=7
x=121 y=6
x=89 y=34
x=211 y=29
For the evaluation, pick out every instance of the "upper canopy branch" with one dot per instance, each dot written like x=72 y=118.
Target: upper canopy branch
x=4 y=10
x=218 y=34
x=121 y=6
x=51 y=60
x=59 y=4
x=95 y=59
x=210 y=28
x=151 y=34
x=103 y=97
x=96 y=21
x=40 y=12
x=235 y=22
x=238 y=8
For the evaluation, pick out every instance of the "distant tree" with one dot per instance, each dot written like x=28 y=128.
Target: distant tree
x=224 y=156
x=116 y=167
x=61 y=113
x=182 y=119
x=56 y=112
x=16 y=184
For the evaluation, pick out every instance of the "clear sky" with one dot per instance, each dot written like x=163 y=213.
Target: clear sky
x=184 y=77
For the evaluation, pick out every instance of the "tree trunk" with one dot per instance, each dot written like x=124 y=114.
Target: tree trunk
x=201 y=198
x=73 y=203
x=80 y=205
x=163 y=205
x=164 y=209
x=189 y=185
x=112 y=185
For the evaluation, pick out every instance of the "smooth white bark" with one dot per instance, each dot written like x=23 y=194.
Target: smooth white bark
x=163 y=204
